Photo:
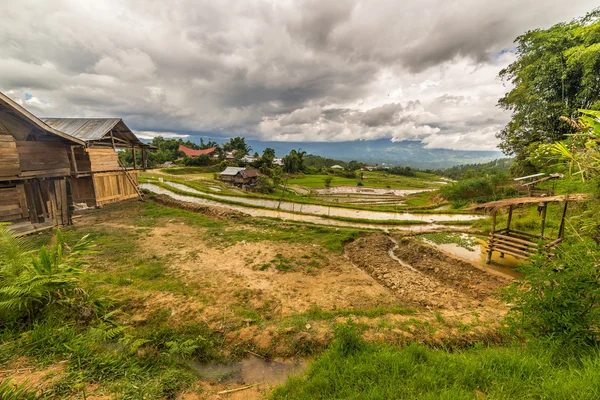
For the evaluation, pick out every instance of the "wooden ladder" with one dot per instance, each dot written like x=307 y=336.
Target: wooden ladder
x=132 y=181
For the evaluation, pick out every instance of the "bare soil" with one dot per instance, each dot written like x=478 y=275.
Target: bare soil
x=435 y=281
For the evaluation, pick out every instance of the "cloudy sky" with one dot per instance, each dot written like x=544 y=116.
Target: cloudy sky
x=298 y=70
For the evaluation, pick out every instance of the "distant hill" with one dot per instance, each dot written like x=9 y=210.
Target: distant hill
x=411 y=153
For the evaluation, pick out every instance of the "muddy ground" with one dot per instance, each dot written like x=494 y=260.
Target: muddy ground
x=259 y=295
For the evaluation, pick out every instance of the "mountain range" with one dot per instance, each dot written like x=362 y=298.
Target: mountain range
x=382 y=151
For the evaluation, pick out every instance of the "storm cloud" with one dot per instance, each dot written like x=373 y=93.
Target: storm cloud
x=273 y=70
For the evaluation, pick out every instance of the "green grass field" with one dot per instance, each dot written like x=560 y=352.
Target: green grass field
x=353 y=369
x=377 y=179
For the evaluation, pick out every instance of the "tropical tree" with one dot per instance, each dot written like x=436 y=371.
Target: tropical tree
x=294 y=162
x=239 y=145
x=555 y=74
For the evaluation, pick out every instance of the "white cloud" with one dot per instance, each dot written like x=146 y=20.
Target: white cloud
x=273 y=70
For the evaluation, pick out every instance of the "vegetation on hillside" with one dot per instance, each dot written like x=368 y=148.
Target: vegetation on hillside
x=555 y=74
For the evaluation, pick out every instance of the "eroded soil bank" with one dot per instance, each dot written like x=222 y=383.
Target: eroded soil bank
x=426 y=277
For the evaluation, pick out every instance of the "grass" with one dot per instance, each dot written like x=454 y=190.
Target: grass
x=354 y=369
x=377 y=179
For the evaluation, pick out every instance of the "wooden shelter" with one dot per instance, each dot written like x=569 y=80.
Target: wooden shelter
x=528 y=185
x=34 y=167
x=97 y=176
x=524 y=244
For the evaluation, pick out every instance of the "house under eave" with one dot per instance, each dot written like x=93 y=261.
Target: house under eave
x=98 y=178
x=34 y=170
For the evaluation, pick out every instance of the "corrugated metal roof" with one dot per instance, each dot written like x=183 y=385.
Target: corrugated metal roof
x=83 y=128
x=231 y=171
x=90 y=129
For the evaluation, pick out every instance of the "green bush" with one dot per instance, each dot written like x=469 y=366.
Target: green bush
x=31 y=285
x=557 y=301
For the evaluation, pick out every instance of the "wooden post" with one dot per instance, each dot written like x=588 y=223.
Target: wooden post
x=561 y=230
x=74 y=160
x=144 y=159
x=112 y=140
x=134 y=157
x=491 y=243
x=544 y=218
x=510 y=212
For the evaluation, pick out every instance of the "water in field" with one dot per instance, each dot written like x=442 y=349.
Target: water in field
x=249 y=371
x=315 y=209
x=273 y=213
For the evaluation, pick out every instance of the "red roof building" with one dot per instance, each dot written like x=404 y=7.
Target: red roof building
x=195 y=153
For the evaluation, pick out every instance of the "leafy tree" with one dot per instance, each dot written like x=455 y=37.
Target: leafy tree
x=294 y=162
x=238 y=144
x=555 y=74
x=267 y=157
x=264 y=184
x=328 y=181
x=355 y=165
x=201 y=160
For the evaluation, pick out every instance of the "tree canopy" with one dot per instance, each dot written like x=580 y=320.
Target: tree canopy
x=555 y=74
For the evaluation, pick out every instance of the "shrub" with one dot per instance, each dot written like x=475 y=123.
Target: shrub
x=558 y=298
x=264 y=184
x=328 y=181
x=30 y=285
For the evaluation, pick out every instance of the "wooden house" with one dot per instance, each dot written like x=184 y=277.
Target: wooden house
x=246 y=177
x=229 y=174
x=97 y=177
x=34 y=168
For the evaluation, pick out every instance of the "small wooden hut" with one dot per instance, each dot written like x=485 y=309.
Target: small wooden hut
x=34 y=168
x=524 y=244
x=97 y=177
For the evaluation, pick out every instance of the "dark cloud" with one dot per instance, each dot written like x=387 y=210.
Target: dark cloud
x=284 y=70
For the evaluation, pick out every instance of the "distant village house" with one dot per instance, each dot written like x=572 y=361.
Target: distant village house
x=196 y=153
x=239 y=176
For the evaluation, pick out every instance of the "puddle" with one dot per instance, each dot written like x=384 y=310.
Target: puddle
x=256 y=212
x=249 y=371
x=333 y=211
x=369 y=190
x=478 y=256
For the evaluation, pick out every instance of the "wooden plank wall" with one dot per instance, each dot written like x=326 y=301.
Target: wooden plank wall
x=35 y=202
x=103 y=160
x=43 y=159
x=13 y=206
x=82 y=190
x=114 y=186
x=10 y=167
x=82 y=159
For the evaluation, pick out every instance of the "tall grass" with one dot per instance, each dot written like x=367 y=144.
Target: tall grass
x=354 y=369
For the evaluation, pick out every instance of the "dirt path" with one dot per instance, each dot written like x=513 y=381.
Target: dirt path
x=425 y=277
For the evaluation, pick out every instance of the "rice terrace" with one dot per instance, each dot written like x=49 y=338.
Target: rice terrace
x=149 y=253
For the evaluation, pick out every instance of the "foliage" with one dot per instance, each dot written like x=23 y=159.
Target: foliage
x=48 y=281
x=465 y=171
x=10 y=391
x=239 y=145
x=477 y=189
x=555 y=74
x=328 y=181
x=201 y=160
x=404 y=171
x=264 y=184
x=557 y=300
x=318 y=163
x=294 y=162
